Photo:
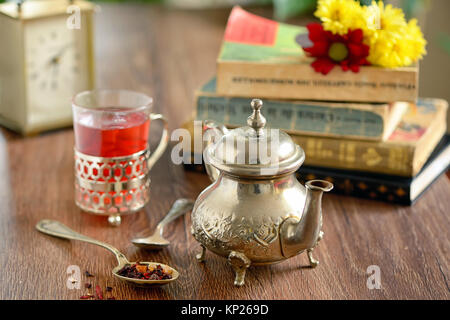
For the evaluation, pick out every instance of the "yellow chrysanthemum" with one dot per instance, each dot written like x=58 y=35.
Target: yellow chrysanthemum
x=394 y=42
x=338 y=16
x=416 y=41
x=389 y=51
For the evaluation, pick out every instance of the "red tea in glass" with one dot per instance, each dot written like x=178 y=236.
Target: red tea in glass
x=112 y=135
x=112 y=156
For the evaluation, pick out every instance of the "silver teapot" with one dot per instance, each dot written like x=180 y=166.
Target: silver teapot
x=256 y=212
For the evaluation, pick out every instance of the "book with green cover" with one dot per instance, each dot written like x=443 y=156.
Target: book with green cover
x=372 y=121
x=260 y=58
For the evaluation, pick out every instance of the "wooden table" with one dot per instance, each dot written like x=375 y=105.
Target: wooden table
x=168 y=54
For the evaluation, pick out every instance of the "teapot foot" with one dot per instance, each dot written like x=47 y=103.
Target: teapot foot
x=201 y=256
x=312 y=262
x=240 y=264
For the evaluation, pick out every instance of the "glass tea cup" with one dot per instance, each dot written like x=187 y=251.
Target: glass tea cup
x=112 y=155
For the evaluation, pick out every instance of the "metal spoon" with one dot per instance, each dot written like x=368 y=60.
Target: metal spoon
x=57 y=229
x=156 y=241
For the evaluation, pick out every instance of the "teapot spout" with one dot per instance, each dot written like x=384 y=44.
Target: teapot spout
x=212 y=131
x=298 y=235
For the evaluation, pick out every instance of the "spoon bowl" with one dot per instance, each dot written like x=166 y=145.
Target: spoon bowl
x=153 y=242
x=156 y=241
x=57 y=229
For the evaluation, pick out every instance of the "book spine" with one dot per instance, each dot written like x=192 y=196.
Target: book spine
x=358 y=155
x=300 y=81
x=351 y=186
x=298 y=117
x=360 y=187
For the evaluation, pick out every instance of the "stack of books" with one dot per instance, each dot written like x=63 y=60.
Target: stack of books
x=366 y=132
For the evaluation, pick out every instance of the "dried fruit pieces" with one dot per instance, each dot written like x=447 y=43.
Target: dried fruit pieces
x=88 y=274
x=99 y=292
x=145 y=272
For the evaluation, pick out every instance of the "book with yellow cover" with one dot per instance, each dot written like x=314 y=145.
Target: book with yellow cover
x=261 y=58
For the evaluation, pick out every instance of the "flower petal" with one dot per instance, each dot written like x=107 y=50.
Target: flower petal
x=316 y=32
x=355 y=36
x=354 y=68
x=319 y=49
x=323 y=65
x=355 y=50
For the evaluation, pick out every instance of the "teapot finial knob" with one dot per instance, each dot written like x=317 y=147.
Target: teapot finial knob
x=256 y=120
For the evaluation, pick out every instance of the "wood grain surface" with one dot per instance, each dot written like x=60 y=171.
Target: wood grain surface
x=168 y=54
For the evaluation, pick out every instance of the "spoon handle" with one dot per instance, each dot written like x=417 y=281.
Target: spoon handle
x=179 y=207
x=57 y=229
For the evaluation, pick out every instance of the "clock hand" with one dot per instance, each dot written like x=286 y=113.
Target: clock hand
x=57 y=57
x=54 y=76
x=64 y=49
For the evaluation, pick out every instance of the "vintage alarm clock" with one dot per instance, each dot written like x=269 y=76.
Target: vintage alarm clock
x=46 y=58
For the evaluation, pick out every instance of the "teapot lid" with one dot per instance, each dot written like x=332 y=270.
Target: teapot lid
x=255 y=150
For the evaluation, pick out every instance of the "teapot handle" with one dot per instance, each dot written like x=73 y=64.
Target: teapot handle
x=219 y=130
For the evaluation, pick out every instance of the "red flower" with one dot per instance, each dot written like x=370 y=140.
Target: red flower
x=330 y=49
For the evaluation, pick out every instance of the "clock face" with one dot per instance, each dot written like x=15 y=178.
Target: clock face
x=57 y=67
